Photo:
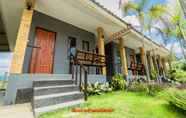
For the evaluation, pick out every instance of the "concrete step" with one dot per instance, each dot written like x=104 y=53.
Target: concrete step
x=45 y=109
x=49 y=76
x=51 y=94
x=52 y=82
x=57 y=98
x=54 y=89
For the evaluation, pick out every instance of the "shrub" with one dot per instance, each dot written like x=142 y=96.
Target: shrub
x=94 y=89
x=181 y=80
x=138 y=87
x=179 y=72
x=154 y=75
x=97 y=88
x=172 y=74
x=154 y=89
x=181 y=76
x=151 y=89
x=177 y=98
x=118 y=83
x=105 y=87
x=183 y=67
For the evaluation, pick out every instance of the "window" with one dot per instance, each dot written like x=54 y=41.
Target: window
x=85 y=45
x=72 y=41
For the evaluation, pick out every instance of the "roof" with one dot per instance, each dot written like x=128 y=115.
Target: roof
x=117 y=17
x=3 y=37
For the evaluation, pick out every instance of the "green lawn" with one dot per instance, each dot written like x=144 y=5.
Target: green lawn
x=3 y=85
x=125 y=105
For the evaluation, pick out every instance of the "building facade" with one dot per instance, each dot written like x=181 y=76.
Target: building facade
x=40 y=33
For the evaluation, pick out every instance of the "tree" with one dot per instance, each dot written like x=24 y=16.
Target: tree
x=183 y=6
x=173 y=24
x=175 y=28
x=178 y=32
x=138 y=9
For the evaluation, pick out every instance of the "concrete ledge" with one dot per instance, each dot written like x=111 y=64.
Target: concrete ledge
x=24 y=95
x=25 y=81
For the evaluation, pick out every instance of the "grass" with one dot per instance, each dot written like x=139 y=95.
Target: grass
x=125 y=105
x=3 y=85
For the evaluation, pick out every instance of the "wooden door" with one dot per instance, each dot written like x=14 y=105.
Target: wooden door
x=43 y=55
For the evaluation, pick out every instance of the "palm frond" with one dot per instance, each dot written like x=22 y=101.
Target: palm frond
x=157 y=11
x=130 y=7
x=165 y=34
x=175 y=19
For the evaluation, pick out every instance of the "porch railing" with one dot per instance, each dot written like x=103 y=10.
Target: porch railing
x=137 y=69
x=84 y=60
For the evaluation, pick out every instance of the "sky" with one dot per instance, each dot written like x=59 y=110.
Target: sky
x=5 y=60
x=112 y=5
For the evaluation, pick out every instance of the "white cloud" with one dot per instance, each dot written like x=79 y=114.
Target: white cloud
x=176 y=48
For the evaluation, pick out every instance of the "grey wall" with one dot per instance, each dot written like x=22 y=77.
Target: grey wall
x=63 y=30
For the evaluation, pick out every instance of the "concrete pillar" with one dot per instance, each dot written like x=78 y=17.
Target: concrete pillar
x=154 y=63
x=151 y=63
x=170 y=64
x=164 y=65
x=101 y=45
x=142 y=55
x=160 y=65
x=21 y=42
x=123 y=57
x=144 y=61
x=159 y=61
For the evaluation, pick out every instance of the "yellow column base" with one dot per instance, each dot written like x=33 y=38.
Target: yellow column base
x=142 y=52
